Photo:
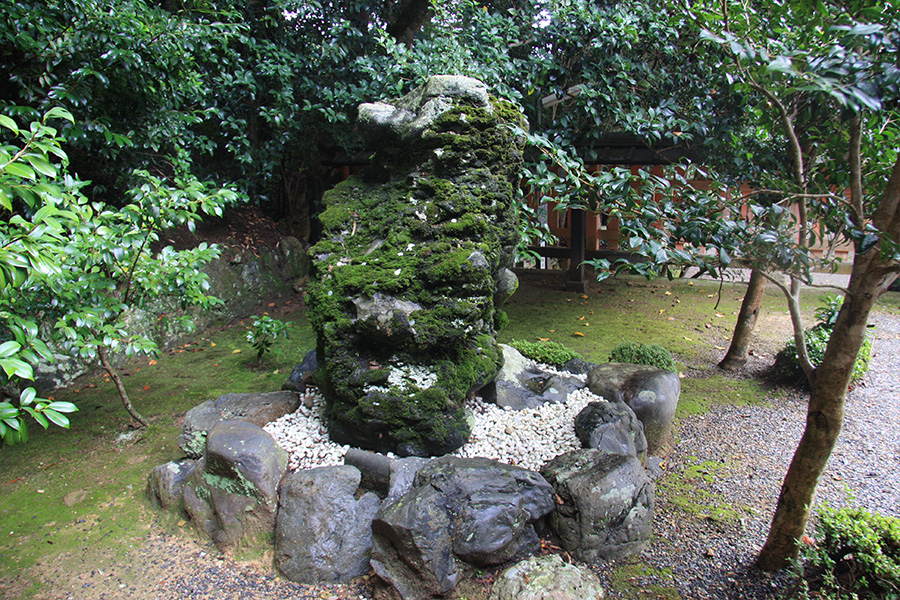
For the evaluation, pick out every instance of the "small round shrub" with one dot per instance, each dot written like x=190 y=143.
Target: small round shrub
x=639 y=353
x=548 y=353
x=787 y=364
x=856 y=555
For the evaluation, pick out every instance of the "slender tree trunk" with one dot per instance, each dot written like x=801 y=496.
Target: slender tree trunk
x=114 y=375
x=739 y=350
x=872 y=274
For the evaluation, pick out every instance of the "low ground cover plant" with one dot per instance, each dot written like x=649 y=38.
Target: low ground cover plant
x=856 y=555
x=640 y=353
x=546 y=352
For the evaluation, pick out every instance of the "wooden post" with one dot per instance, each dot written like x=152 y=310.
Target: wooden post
x=576 y=269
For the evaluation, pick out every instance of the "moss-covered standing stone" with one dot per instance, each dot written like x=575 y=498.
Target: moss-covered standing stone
x=406 y=283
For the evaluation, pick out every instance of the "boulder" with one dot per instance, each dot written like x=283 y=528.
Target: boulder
x=257 y=409
x=302 y=374
x=323 y=534
x=459 y=512
x=413 y=262
x=165 y=484
x=650 y=392
x=547 y=578
x=521 y=384
x=607 y=504
x=232 y=493
x=611 y=427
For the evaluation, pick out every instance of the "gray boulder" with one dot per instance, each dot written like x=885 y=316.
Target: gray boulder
x=521 y=384
x=231 y=494
x=257 y=409
x=611 y=427
x=650 y=392
x=607 y=504
x=323 y=534
x=302 y=374
x=459 y=512
x=547 y=578
x=165 y=484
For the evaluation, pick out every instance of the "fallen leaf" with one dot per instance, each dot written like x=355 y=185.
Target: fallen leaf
x=591 y=312
x=710 y=295
x=719 y=348
x=662 y=310
x=689 y=339
x=586 y=324
x=690 y=283
x=238 y=351
x=40 y=491
x=577 y=334
x=552 y=330
x=584 y=295
x=152 y=362
x=271 y=304
x=668 y=293
x=146 y=388
x=569 y=300
x=581 y=318
x=543 y=339
x=212 y=344
x=680 y=375
x=719 y=315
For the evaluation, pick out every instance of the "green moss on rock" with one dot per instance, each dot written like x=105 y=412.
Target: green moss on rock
x=405 y=277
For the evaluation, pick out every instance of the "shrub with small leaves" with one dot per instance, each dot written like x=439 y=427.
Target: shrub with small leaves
x=640 y=353
x=787 y=364
x=856 y=555
x=546 y=352
x=264 y=332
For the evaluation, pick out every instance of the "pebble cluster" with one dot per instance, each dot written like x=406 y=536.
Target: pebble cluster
x=525 y=438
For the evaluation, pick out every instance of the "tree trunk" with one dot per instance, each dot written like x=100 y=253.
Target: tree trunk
x=739 y=350
x=114 y=375
x=872 y=274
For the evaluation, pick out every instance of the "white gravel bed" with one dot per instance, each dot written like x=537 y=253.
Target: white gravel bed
x=526 y=438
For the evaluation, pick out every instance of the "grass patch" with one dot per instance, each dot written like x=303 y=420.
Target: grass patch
x=687 y=491
x=699 y=393
x=640 y=581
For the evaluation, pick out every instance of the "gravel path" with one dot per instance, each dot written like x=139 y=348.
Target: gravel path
x=737 y=457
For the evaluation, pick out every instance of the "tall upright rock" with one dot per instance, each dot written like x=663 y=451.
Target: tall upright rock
x=413 y=267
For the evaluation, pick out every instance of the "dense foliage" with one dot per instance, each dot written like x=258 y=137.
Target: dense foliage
x=787 y=363
x=72 y=271
x=856 y=555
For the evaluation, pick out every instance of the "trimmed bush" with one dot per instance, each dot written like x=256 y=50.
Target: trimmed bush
x=639 y=353
x=548 y=353
x=856 y=555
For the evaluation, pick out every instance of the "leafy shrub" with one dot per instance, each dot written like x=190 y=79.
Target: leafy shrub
x=264 y=332
x=548 y=353
x=856 y=555
x=639 y=353
x=787 y=364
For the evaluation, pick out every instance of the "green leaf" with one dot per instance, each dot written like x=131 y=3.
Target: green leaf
x=27 y=396
x=9 y=124
x=20 y=170
x=56 y=418
x=63 y=407
x=9 y=348
x=40 y=165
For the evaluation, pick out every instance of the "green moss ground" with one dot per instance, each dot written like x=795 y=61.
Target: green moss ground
x=101 y=457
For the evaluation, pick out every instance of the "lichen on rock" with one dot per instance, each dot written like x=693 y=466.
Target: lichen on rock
x=407 y=281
